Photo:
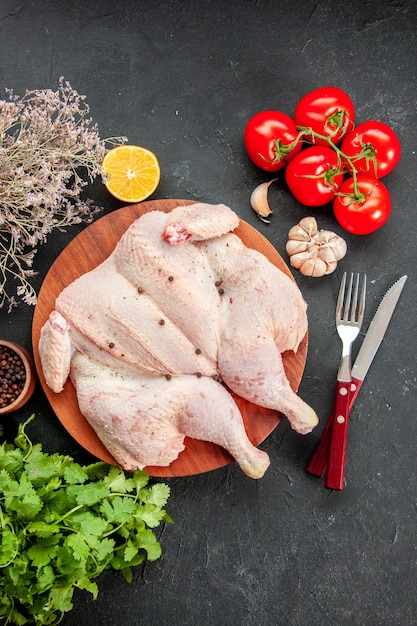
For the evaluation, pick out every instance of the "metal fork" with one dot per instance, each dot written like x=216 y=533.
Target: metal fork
x=349 y=315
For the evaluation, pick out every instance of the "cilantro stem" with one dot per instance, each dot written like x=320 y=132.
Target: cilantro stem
x=68 y=513
x=22 y=440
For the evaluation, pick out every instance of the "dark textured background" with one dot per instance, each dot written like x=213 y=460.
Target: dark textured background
x=182 y=78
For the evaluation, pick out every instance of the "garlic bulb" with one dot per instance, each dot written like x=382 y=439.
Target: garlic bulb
x=314 y=252
x=259 y=200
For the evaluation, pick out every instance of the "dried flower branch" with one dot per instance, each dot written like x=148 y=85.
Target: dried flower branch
x=49 y=150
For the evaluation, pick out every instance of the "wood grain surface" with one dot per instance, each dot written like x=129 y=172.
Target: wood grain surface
x=86 y=251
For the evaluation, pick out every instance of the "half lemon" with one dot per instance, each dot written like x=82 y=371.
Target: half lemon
x=132 y=173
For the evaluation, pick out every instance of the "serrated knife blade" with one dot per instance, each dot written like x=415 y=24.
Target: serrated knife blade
x=376 y=331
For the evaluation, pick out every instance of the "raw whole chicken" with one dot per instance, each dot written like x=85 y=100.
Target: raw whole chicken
x=154 y=337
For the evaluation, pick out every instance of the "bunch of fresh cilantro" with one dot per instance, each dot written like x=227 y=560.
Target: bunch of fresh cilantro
x=62 y=524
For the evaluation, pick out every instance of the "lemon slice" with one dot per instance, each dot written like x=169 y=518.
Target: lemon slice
x=133 y=173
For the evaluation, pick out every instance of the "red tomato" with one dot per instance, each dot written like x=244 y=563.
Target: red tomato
x=373 y=148
x=328 y=111
x=363 y=213
x=314 y=175
x=271 y=140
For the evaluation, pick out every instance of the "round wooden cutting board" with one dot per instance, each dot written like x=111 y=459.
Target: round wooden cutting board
x=85 y=252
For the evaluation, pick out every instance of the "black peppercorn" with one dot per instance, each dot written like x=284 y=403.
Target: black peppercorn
x=12 y=376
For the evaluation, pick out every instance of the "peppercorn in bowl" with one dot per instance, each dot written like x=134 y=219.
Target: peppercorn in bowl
x=17 y=376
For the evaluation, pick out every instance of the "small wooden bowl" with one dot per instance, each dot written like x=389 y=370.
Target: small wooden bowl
x=30 y=381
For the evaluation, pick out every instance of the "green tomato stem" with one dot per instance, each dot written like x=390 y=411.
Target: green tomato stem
x=282 y=150
x=304 y=130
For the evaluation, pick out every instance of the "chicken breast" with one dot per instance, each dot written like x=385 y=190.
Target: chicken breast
x=177 y=279
x=111 y=321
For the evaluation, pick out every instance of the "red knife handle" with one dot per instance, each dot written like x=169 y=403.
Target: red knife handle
x=318 y=460
x=337 y=456
x=355 y=385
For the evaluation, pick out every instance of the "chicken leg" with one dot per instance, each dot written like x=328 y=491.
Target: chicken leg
x=142 y=420
x=263 y=315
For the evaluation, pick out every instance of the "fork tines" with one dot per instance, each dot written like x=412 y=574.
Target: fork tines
x=349 y=303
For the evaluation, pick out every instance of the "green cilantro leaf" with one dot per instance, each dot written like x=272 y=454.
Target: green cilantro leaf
x=53 y=484
x=61 y=598
x=130 y=551
x=75 y=474
x=88 y=523
x=117 y=481
x=40 y=467
x=8 y=547
x=46 y=577
x=104 y=549
x=7 y=484
x=140 y=478
x=159 y=494
x=41 y=528
x=78 y=545
x=149 y=543
x=88 y=585
x=41 y=554
x=151 y=515
x=11 y=459
x=22 y=498
x=90 y=493
x=118 y=510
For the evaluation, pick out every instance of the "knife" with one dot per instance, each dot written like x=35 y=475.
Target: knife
x=372 y=341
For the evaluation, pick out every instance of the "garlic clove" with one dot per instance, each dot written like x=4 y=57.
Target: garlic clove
x=299 y=258
x=339 y=248
x=294 y=246
x=327 y=254
x=299 y=234
x=331 y=266
x=314 y=267
x=309 y=225
x=259 y=200
x=331 y=245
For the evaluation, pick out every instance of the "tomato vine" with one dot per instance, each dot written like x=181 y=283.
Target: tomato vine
x=319 y=146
